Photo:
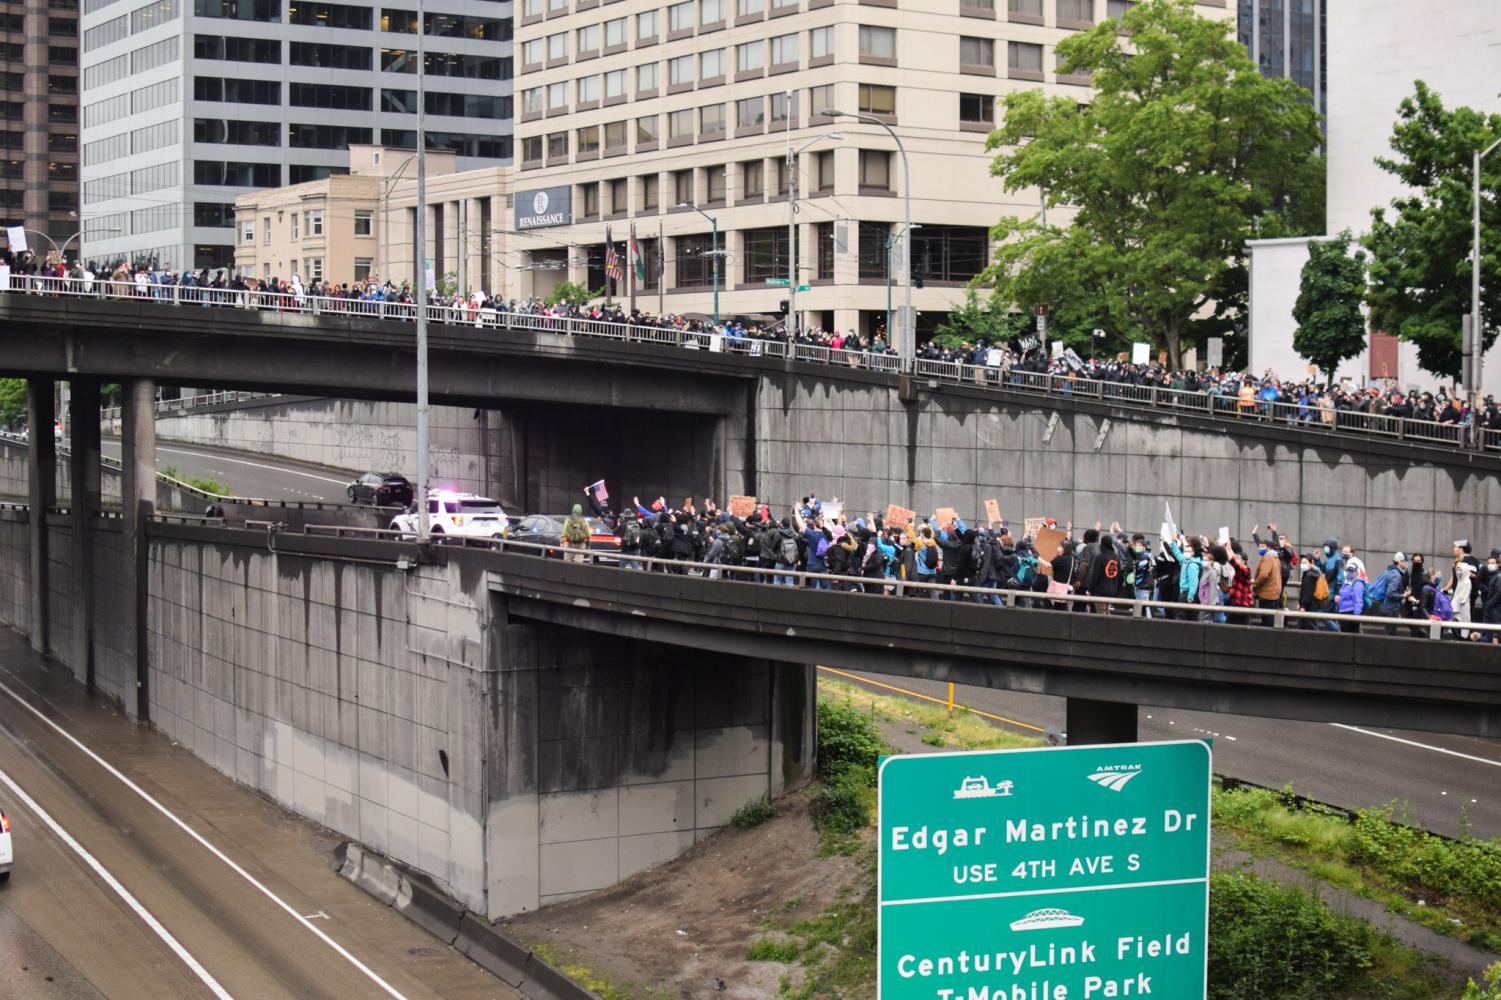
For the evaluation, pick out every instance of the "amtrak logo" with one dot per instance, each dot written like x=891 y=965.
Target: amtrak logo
x=539 y=203
x=1115 y=776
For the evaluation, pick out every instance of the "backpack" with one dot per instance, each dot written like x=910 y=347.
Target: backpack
x=1321 y=589
x=633 y=534
x=575 y=529
x=1207 y=576
x=734 y=550
x=822 y=548
x=930 y=557
x=789 y=551
x=1443 y=608
x=1376 y=592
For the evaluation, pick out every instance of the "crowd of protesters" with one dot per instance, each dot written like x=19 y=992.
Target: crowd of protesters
x=1204 y=576
x=1296 y=400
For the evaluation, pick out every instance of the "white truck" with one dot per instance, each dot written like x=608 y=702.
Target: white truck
x=463 y=514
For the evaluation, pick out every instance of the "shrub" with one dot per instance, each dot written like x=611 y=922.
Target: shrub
x=767 y=950
x=846 y=738
x=844 y=802
x=1492 y=988
x=1465 y=870
x=753 y=813
x=1268 y=940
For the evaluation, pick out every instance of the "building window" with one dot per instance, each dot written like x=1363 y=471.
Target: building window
x=711 y=119
x=557 y=46
x=239 y=133
x=873 y=237
x=823 y=171
x=649 y=199
x=587 y=89
x=531 y=101
x=765 y=253
x=243 y=10
x=977 y=52
x=875 y=169
x=364 y=222
x=588 y=140
x=821 y=42
x=266 y=229
x=362 y=268
x=750 y=56
x=1027 y=8
x=615 y=137
x=694 y=263
x=877 y=99
x=319 y=15
x=531 y=8
x=680 y=124
x=717 y=183
x=646 y=78
x=326 y=136
x=646 y=26
x=711 y=64
x=779 y=110
x=620 y=199
x=752 y=179
x=531 y=52
x=1118 y=8
x=231 y=49
x=248 y=232
x=615 y=33
x=329 y=56
x=615 y=84
x=748 y=8
x=950 y=253
x=588 y=39
x=295 y=217
x=1024 y=56
x=320 y=95
x=821 y=99
x=711 y=11
x=680 y=16
x=557 y=96
x=590 y=200
x=825 y=241
x=1076 y=11
x=1077 y=75
x=646 y=130
x=232 y=174
x=977 y=108
x=682 y=187
x=531 y=149
x=750 y=112
x=877 y=41
x=784 y=50
x=680 y=71
x=215 y=214
x=557 y=146
x=315 y=222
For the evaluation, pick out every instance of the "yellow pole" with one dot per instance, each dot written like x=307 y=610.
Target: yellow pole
x=951 y=699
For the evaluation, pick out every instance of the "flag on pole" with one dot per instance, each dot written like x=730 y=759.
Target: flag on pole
x=612 y=260
x=598 y=491
x=637 y=261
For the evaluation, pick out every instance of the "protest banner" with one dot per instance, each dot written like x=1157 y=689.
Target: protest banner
x=899 y=517
x=945 y=516
x=992 y=511
x=1033 y=526
x=742 y=506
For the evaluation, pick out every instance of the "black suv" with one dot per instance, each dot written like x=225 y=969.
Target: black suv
x=384 y=489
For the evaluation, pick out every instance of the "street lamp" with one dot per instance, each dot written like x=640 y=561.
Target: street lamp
x=907 y=349
x=713 y=251
x=385 y=218
x=891 y=242
x=1477 y=334
x=792 y=155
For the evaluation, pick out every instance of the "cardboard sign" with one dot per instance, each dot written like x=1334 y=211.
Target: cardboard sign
x=1224 y=536
x=1032 y=526
x=742 y=506
x=832 y=511
x=1048 y=541
x=899 y=517
x=992 y=511
x=945 y=516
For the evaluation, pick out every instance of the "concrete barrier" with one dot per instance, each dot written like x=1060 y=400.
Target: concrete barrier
x=425 y=905
x=371 y=872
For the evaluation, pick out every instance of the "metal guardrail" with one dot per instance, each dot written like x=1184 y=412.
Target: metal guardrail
x=193 y=401
x=1162 y=399
x=1124 y=607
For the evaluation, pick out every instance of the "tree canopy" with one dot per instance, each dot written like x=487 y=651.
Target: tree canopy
x=1420 y=253
x=1331 y=326
x=1184 y=154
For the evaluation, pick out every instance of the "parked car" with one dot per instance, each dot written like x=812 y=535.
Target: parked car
x=547 y=529
x=6 y=857
x=383 y=489
x=464 y=514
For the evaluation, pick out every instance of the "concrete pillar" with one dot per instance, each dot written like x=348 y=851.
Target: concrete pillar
x=41 y=480
x=137 y=503
x=462 y=246
x=1090 y=721
x=794 y=726
x=83 y=420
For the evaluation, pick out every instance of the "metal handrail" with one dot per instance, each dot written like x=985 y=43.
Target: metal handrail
x=1212 y=404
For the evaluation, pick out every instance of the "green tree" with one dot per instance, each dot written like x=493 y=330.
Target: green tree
x=1331 y=327
x=12 y=402
x=1185 y=153
x=573 y=292
x=1420 y=254
x=1492 y=988
x=974 y=319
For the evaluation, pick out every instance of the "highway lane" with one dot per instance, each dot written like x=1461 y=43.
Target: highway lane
x=1444 y=780
x=60 y=917
x=249 y=474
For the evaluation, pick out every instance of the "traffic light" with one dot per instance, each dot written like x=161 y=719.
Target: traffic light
x=782 y=307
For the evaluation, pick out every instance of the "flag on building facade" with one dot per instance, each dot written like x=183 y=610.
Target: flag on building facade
x=637 y=261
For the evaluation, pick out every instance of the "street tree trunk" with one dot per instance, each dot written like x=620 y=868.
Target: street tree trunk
x=1173 y=334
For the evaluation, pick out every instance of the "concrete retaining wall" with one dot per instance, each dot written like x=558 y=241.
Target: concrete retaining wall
x=15 y=570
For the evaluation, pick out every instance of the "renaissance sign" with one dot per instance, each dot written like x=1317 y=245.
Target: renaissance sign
x=1071 y=873
x=544 y=207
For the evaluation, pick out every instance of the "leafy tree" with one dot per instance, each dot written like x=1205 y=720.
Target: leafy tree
x=974 y=320
x=1331 y=327
x=572 y=291
x=1185 y=153
x=12 y=402
x=1420 y=255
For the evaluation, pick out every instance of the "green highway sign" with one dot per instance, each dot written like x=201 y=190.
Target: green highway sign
x=1067 y=873
x=805 y=288
x=777 y=282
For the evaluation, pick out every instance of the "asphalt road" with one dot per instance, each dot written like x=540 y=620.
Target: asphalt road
x=248 y=474
x=192 y=926
x=1441 y=779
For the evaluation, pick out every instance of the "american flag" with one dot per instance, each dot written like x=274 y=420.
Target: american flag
x=612 y=259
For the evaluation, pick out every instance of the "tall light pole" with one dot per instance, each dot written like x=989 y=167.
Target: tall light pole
x=713 y=251
x=424 y=519
x=1477 y=331
x=792 y=155
x=907 y=347
x=385 y=217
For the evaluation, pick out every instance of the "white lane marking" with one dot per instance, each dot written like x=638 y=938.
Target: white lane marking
x=120 y=890
x=368 y=972
x=1421 y=746
x=254 y=465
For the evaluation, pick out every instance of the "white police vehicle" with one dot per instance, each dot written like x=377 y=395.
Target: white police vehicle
x=463 y=514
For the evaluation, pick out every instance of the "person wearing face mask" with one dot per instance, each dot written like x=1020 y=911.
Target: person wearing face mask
x=1463 y=584
x=1143 y=578
x=1267 y=584
x=1310 y=581
x=1388 y=591
x=1351 y=599
x=1492 y=604
x=1332 y=562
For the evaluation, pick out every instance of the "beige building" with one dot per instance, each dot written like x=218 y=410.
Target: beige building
x=362 y=225
x=630 y=110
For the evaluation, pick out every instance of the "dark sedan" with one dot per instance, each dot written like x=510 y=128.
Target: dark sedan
x=383 y=489
x=547 y=529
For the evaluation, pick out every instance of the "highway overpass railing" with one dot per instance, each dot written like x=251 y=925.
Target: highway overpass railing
x=1157 y=398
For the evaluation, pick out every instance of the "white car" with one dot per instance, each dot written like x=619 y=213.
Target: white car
x=463 y=514
x=6 y=858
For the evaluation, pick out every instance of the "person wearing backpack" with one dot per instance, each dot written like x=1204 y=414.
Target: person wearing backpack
x=1267 y=585
x=785 y=553
x=629 y=533
x=1385 y=594
x=576 y=533
x=927 y=557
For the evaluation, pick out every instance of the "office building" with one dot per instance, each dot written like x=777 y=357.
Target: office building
x=189 y=103
x=1288 y=38
x=39 y=105
x=661 y=116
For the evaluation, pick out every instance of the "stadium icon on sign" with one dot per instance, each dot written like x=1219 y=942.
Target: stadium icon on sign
x=1114 y=780
x=980 y=788
x=1039 y=920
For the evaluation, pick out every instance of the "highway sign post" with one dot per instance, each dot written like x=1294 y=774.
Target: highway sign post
x=1069 y=873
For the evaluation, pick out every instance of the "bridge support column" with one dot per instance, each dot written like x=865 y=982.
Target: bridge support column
x=1090 y=721
x=137 y=504
x=41 y=481
x=83 y=442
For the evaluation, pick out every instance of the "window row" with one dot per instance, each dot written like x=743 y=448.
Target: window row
x=489 y=29
x=685 y=15
x=780 y=52
x=131 y=182
x=495 y=147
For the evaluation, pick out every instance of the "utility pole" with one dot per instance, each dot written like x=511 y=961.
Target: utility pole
x=424 y=519
x=791 y=225
x=1477 y=328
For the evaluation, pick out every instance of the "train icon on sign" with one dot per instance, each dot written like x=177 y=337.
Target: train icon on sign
x=980 y=788
x=1042 y=919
